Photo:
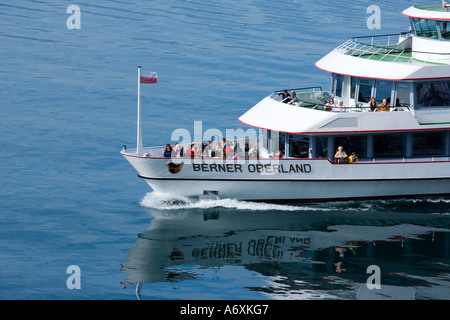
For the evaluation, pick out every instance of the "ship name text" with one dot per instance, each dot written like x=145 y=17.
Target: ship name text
x=252 y=168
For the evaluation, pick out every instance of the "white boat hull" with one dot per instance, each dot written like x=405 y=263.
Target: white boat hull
x=294 y=179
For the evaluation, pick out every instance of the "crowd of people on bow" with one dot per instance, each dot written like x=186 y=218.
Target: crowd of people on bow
x=212 y=149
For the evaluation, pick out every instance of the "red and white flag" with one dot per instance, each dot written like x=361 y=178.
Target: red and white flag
x=149 y=77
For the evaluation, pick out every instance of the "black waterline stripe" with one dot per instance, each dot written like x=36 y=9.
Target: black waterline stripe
x=293 y=180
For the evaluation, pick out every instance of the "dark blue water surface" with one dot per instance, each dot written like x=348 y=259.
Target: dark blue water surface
x=68 y=104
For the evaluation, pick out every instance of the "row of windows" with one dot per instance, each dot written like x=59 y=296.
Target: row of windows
x=433 y=29
x=427 y=94
x=395 y=145
x=432 y=144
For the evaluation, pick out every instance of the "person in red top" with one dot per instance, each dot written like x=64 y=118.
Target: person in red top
x=279 y=155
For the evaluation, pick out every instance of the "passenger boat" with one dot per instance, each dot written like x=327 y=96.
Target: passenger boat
x=402 y=149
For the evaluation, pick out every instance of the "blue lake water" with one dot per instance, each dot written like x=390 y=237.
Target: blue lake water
x=68 y=104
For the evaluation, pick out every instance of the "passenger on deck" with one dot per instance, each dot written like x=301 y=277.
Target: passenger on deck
x=384 y=106
x=279 y=155
x=353 y=158
x=373 y=104
x=340 y=156
x=253 y=153
x=329 y=106
x=228 y=150
x=246 y=149
x=177 y=150
x=209 y=149
x=293 y=98
x=168 y=151
x=192 y=150
x=284 y=95
x=339 y=107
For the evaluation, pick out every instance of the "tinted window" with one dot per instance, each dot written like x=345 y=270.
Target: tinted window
x=384 y=89
x=321 y=147
x=357 y=144
x=444 y=26
x=426 y=28
x=428 y=144
x=431 y=94
x=389 y=146
x=298 y=146
x=365 y=90
x=403 y=94
x=338 y=81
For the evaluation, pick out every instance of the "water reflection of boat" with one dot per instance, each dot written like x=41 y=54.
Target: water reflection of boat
x=317 y=250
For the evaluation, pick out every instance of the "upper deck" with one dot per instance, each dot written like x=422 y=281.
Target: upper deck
x=420 y=54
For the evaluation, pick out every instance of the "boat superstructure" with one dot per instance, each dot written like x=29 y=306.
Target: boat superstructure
x=389 y=104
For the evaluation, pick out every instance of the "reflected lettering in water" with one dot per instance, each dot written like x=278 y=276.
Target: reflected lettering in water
x=317 y=252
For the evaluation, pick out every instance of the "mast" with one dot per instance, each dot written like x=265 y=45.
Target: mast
x=139 y=144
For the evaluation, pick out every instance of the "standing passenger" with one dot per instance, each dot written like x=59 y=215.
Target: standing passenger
x=168 y=151
x=340 y=156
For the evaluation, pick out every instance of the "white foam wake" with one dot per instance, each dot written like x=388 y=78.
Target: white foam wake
x=172 y=202
x=160 y=201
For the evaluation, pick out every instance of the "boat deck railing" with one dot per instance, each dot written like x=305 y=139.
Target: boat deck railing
x=315 y=98
x=391 y=48
x=158 y=152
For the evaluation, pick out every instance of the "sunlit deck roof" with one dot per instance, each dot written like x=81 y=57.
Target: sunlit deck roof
x=428 y=11
x=387 y=57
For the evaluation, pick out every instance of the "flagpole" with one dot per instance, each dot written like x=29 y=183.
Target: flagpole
x=139 y=145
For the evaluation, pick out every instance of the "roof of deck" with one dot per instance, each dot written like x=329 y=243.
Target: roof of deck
x=357 y=59
x=428 y=11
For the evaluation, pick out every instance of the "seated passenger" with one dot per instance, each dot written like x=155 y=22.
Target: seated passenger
x=339 y=107
x=384 y=106
x=373 y=104
x=353 y=158
x=168 y=151
x=293 y=98
x=279 y=155
x=340 y=156
x=284 y=95
x=329 y=106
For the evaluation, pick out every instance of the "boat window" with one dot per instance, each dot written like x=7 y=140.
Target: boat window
x=338 y=82
x=425 y=28
x=321 y=147
x=428 y=144
x=383 y=91
x=357 y=144
x=265 y=140
x=365 y=90
x=278 y=142
x=298 y=146
x=431 y=94
x=403 y=94
x=389 y=146
x=444 y=27
x=353 y=88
